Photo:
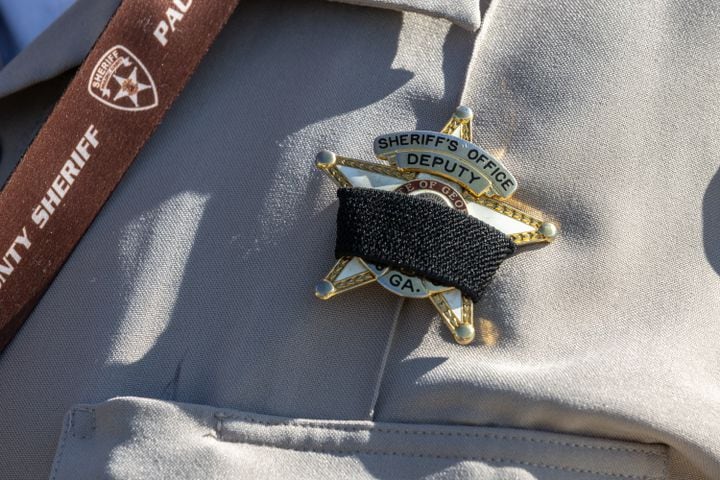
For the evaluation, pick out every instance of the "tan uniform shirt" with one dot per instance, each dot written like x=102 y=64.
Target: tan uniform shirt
x=191 y=296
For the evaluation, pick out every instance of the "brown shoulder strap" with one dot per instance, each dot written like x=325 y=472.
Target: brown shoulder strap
x=119 y=95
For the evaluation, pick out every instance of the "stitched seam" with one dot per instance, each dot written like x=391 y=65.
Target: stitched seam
x=446 y=457
x=92 y=425
x=63 y=442
x=220 y=427
x=489 y=436
x=61 y=448
x=68 y=429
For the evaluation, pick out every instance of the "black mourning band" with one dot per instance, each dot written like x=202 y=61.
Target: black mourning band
x=436 y=242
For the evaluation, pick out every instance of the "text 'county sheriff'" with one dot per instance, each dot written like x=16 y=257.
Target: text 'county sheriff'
x=448 y=156
x=48 y=205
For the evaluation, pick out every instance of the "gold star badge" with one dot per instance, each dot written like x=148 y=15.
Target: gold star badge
x=445 y=167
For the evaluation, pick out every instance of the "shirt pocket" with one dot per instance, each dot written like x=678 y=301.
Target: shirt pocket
x=138 y=438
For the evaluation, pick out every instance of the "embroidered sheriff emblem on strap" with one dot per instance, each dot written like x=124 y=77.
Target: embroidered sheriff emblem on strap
x=432 y=221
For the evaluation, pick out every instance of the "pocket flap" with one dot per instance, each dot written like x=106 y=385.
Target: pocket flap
x=137 y=438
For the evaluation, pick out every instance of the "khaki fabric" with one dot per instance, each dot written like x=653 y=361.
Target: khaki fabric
x=194 y=286
x=141 y=438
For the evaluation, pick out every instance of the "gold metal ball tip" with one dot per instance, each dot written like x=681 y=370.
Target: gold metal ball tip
x=324 y=290
x=464 y=334
x=463 y=112
x=549 y=231
x=325 y=159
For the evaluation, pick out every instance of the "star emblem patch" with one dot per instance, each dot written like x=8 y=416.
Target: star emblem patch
x=448 y=169
x=121 y=81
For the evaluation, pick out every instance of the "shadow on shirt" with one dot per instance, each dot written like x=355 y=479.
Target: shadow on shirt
x=711 y=222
